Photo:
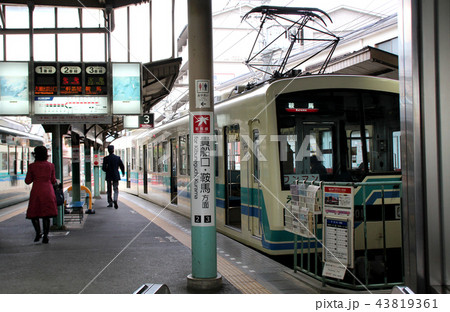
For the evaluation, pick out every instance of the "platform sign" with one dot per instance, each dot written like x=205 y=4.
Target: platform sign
x=70 y=79
x=202 y=166
x=127 y=93
x=14 y=95
x=146 y=121
x=96 y=79
x=202 y=93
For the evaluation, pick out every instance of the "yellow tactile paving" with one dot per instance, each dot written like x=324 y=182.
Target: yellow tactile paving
x=12 y=214
x=236 y=277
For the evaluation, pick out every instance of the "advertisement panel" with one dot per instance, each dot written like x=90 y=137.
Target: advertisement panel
x=126 y=79
x=14 y=95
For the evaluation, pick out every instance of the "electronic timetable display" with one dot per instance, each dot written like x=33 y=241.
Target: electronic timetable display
x=70 y=88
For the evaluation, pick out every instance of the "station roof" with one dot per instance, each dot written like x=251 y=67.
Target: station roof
x=78 y=4
x=367 y=61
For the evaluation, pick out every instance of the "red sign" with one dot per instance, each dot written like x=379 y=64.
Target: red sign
x=96 y=160
x=334 y=189
x=202 y=124
x=302 y=110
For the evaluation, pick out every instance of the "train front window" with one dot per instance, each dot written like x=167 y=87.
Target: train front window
x=337 y=135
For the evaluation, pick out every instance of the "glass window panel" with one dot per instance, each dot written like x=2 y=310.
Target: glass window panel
x=44 y=47
x=44 y=17
x=16 y=17
x=139 y=28
x=162 y=34
x=93 y=18
x=69 y=48
x=17 y=48
x=2 y=56
x=119 y=51
x=68 y=17
x=94 y=48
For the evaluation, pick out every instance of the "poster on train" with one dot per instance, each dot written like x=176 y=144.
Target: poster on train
x=202 y=168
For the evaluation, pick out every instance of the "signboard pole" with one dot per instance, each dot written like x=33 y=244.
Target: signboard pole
x=76 y=191
x=57 y=161
x=202 y=185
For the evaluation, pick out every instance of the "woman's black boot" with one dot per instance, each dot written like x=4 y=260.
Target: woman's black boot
x=37 y=229
x=46 y=224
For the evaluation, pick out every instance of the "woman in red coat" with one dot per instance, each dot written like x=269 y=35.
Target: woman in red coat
x=42 y=203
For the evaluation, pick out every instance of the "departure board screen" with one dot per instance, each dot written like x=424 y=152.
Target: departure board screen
x=70 y=79
x=95 y=79
x=45 y=79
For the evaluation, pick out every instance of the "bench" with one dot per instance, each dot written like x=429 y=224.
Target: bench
x=74 y=210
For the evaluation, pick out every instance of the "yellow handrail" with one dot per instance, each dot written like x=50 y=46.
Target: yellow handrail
x=82 y=187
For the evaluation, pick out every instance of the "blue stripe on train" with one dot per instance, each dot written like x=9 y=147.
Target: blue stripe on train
x=377 y=195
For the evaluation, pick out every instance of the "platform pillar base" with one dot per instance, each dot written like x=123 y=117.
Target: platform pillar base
x=204 y=284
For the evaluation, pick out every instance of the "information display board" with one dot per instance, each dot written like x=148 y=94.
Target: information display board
x=127 y=93
x=338 y=222
x=70 y=79
x=70 y=105
x=70 y=88
x=96 y=79
x=14 y=95
x=45 y=78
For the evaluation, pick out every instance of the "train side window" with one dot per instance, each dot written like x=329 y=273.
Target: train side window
x=133 y=158
x=397 y=160
x=188 y=148
x=183 y=155
x=165 y=157
x=159 y=156
x=12 y=160
x=3 y=158
x=150 y=157
x=256 y=154
x=356 y=150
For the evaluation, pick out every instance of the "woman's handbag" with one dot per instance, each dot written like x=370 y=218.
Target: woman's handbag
x=59 y=194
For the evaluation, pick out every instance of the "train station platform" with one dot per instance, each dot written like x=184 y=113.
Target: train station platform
x=115 y=251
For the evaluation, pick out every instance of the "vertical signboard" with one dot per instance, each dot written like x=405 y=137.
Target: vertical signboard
x=14 y=95
x=338 y=214
x=126 y=80
x=202 y=188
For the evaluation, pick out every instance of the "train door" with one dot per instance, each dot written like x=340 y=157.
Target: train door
x=145 y=169
x=254 y=188
x=173 y=171
x=232 y=177
x=128 y=157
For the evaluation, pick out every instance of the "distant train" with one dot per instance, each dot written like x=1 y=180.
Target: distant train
x=266 y=139
x=16 y=145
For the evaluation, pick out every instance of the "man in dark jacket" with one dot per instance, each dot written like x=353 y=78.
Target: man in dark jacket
x=111 y=165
